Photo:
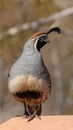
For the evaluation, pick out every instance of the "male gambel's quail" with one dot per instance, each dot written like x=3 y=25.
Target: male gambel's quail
x=29 y=80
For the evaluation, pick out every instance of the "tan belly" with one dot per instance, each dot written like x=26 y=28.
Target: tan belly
x=29 y=83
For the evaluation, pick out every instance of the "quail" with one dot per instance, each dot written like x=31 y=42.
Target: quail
x=29 y=80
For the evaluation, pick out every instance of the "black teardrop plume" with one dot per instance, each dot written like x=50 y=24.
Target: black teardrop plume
x=56 y=29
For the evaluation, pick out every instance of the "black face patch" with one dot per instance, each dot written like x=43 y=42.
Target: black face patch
x=28 y=94
x=41 y=42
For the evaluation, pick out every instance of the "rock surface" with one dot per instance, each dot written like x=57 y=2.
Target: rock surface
x=45 y=123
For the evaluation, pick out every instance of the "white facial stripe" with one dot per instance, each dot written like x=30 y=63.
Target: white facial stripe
x=37 y=40
x=35 y=45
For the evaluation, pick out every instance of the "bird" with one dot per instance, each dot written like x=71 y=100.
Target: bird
x=29 y=80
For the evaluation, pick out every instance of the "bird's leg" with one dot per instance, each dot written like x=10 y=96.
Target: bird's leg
x=36 y=113
x=26 y=113
x=38 y=110
x=31 y=117
x=29 y=113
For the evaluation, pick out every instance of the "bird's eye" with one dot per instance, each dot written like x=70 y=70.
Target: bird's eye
x=41 y=39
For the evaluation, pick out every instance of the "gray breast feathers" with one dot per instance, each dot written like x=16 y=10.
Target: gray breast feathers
x=29 y=64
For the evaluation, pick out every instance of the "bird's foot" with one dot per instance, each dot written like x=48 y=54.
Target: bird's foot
x=31 y=117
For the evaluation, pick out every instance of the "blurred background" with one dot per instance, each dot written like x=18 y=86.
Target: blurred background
x=58 y=54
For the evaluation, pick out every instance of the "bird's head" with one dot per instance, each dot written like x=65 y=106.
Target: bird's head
x=41 y=38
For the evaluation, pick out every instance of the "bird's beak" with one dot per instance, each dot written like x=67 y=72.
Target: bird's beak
x=46 y=40
x=55 y=29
